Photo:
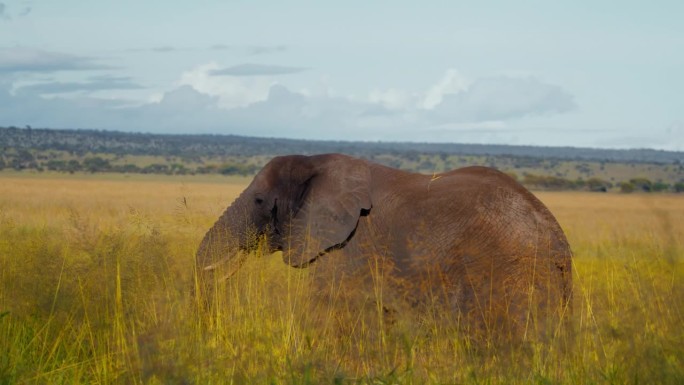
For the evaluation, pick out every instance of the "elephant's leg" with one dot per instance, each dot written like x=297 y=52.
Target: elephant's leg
x=356 y=293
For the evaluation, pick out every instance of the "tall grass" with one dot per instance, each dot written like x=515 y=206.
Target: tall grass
x=96 y=280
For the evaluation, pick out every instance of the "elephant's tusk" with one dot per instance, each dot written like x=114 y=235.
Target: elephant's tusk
x=237 y=262
x=233 y=270
x=214 y=266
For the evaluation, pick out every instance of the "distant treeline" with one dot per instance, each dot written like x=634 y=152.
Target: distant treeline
x=81 y=142
x=96 y=164
x=540 y=168
x=24 y=160
x=541 y=182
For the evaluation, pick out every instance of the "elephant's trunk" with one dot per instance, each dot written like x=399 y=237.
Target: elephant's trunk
x=218 y=247
x=219 y=254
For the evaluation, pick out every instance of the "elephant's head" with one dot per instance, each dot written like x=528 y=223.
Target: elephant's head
x=304 y=206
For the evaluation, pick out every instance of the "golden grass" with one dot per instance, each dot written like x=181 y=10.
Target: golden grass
x=95 y=281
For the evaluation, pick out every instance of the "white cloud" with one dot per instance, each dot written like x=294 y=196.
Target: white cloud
x=20 y=59
x=187 y=99
x=232 y=92
x=251 y=69
x=455 y=100
x=250 y=50
x=393 y=99
x=155 y=97
x=451 y=83
x=265 y=49
x=676 y=128
x=260 y=106
x=93 y=84
x=6 y=15
x=503 y=98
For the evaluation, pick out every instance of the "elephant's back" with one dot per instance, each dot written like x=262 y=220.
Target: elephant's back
x=486 y=237
x=518 y=228
x=496 y=200
x=510 y=236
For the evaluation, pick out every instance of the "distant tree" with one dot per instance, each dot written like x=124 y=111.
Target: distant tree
x=156 y=168
x=548 y=182
x=236 y=169
x=208 y=169
x=512 y=175
x=583 y=168
x=679 y=187
x=73 y=165
x=23 y=159
x=179 y=169
x=24 y=156
x=598 y=184
x=128 y=168
x=427 y=165
x=412 y=156
x=230 y=169
x=627 y=187
x=96 y=164
x=642 y=184
x=56 y=165
x=660 y=186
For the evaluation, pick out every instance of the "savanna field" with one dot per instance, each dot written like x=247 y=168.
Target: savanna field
x=97 y=276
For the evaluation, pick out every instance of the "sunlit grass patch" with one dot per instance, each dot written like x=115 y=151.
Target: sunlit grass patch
x=96 y=285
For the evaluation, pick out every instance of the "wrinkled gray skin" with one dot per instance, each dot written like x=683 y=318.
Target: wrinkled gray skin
x=473 y=238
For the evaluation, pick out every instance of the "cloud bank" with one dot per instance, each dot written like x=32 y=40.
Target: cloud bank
x=503 y=98
x=5 y=14
x=248 y=100
x=96 y=83
x=250 y=69
x=28 y=60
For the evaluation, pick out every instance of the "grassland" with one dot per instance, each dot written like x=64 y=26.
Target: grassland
x=96 y=275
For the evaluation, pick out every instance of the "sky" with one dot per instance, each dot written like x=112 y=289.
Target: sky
x=606 y=74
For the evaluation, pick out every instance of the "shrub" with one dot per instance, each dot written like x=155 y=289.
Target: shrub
x=96 y=164
x=642 y=184
x=156 y=168
x=73 y=166
x=56 y=165
x=627 y=187
x=597 y=184
x=548 y=182
x=660 y=186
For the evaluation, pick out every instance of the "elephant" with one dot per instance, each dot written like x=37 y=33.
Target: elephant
x=473 y=239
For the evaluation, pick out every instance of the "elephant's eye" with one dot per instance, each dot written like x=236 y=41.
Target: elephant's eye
x=258 y=201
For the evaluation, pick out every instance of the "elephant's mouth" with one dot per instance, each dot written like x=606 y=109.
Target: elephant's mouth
x=266 y=240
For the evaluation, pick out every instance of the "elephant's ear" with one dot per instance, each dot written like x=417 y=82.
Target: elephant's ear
x=327 y=210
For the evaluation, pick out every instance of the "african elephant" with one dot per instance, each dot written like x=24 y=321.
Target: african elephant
x=473 y=238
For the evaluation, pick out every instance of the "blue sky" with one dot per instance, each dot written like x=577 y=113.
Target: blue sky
x=581 y=73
